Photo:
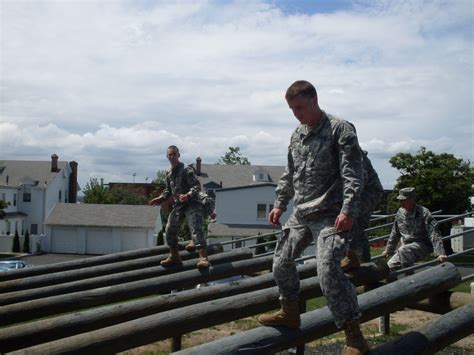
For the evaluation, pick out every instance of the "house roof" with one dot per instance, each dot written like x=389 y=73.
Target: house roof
x=213 y=175
x=96 y=215
x=18 y=172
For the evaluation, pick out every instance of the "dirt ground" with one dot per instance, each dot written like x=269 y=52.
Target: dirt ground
x=403 y=321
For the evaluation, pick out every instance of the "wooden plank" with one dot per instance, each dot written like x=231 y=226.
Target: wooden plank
x=434 y=336
x=185 y=319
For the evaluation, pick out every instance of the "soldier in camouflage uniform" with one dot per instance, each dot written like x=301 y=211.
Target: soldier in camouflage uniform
x=323 y=176
x=417 y=231
x=371 y=195
x=183 y=185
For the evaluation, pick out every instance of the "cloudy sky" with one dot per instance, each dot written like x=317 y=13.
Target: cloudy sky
x=111 y=84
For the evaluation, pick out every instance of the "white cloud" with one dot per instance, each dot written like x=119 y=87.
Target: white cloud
x=112 y=84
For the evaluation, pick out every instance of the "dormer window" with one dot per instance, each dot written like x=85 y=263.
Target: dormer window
x=261 y=176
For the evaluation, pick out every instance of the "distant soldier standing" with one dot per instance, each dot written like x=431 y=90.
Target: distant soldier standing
x=183 y=185
x=417 y=231
x=324 y=177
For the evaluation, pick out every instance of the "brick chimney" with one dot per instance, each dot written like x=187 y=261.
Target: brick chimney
x=54 y=163
x=198 y=165
x=72 y=198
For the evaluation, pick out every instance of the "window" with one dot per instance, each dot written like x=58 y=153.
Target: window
x=261 y=211
x=4 y=197
x=60 y=195
x=27 y=194
x=34 y=228
x=65 y=196
x=14 y=199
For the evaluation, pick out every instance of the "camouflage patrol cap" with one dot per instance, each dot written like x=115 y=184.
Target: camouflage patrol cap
x=407 y=192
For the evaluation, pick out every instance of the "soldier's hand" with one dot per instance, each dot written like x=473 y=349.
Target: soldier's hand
x=183 y=198
x=155 y=202
x=274 y=216
x=442 y=258
x=343 y=222
x=385 y=254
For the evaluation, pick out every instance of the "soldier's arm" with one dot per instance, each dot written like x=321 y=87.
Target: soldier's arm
x=350 y=164
x=285 y=190
x=193 y=183
x=393 y=239
x=434 y=234
x=166 y=194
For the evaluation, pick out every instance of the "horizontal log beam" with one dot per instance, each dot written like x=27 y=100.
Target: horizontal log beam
x=434 y=336
x=34 y=309
x=41 y=331
x=444 y=302
x=95 y=271
x=320 y=323
x=185 y=319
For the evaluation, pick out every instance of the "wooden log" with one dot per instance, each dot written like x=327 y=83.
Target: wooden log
x=38 y=308
x=118 y=278
x=95 y=271
x=434 y=336
x=444 y=302
x=185 y=319
x=81 y=263
x=41 y=331
x=320 y=323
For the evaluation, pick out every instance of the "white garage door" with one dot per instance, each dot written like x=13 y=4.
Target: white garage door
x=99 y=241
x=64 y=240
x=133 y=239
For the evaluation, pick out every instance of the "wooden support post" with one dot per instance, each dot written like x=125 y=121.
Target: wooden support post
x=176 y=343
x=300 y=348
x=384 y=324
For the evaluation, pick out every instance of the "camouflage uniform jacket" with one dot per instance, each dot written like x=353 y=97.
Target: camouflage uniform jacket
x=418 y=226
x=324 y=170
x=181 y=180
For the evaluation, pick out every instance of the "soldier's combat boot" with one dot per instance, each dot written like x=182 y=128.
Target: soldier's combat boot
x=350 y=261
x=172 y=259
x=190 y=246
x=289 y=316
x=355 y=341
x=203 y=262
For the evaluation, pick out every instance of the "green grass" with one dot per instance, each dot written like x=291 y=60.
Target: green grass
x=463 y=287
x=315 y=303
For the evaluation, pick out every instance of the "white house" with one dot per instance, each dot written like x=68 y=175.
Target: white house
x=100 y=229
x=31 y=189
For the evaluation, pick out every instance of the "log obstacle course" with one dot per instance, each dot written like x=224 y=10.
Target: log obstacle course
x=133 y=306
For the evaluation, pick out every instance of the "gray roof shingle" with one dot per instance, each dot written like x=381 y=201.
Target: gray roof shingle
x=14 y=172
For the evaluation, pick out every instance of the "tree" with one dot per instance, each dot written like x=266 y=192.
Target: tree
x=3 y=205
x=26 y=242
x=16 y=243
x=233 y=157
x=96 y=192
x=442 y=181
x=160 y=177
x=123 y=196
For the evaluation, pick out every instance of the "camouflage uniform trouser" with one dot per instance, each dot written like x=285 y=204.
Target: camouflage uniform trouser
x=330 y=249
x=407 y=255
x=193 y=215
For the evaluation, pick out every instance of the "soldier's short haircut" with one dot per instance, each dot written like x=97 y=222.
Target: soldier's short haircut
x=300 y=87
x=173 y=147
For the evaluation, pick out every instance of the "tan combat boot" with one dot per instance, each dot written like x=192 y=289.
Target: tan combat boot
x=172 y=259
x=203 y=262
x=355 y=341
x=289 y=316
x=190 y=246
x=350 y=261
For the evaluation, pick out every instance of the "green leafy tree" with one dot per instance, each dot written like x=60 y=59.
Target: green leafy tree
x=16 y=243
x=96 y=191
x=3 y=205
x=123 y=196
x=26 y=242
x=442 y=181
x=160 y=177
x=233 y=157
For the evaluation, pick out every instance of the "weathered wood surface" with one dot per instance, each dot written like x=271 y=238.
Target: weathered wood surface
x=186 y=319
x=444 y=302
x=434 y=336
x=41 y=331
x=116 y=278
x=81 y=263
x=320 y=323
x=95 y=271
x=38 y=308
